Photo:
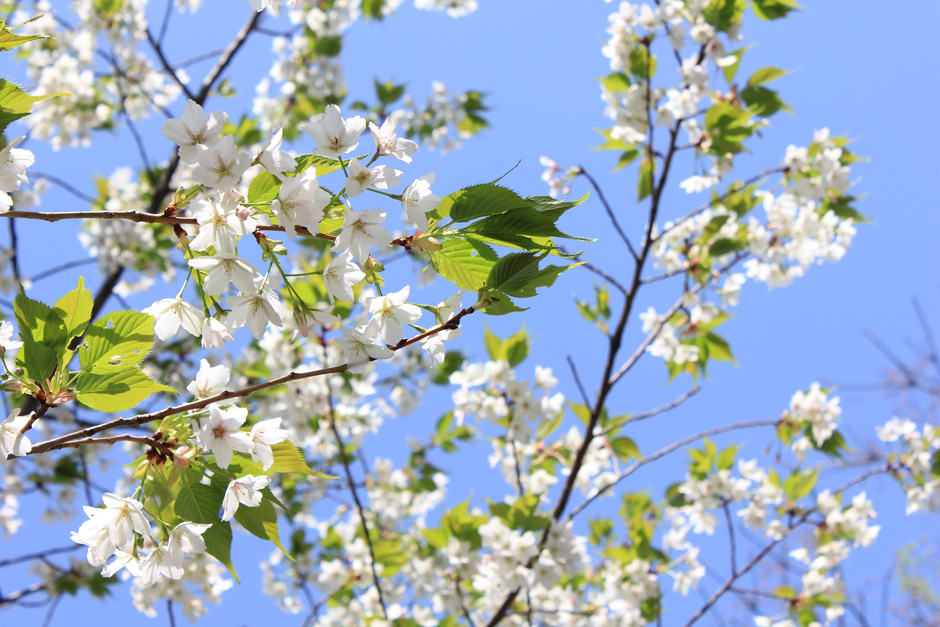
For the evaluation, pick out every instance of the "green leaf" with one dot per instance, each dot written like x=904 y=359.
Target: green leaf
x=616 y=83
x=321 y=165
x=289 y=458
x=774 y=9
x=463 y=263
x=477 y=201
x=723 y=14
x=494 y=345
x=329 y=46
x=626 y=158
x=718 y=348
x=75 y=308
x=10 y=40
x=44 y=334
x=516 y=348
x=16 y=103
x=799 y=484
x=726 y=458
x=729 y=125
x=625 y=448
x=388 y=92
x=116 y=342
x=642 y=63
x=762 y=101
x=372 y=9
x=264 y=188
x=107 y=9
x=644 y=181
x=513 y=272
x=261 y=521
x=116 y=391
x=765 y=75
x=500 y=304
x=725 y=245
x=200 y=503
x=731 y=70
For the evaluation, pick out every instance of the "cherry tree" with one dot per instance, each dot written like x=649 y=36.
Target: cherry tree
x=278 y=343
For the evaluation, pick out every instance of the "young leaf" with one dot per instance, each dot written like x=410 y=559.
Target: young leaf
x=117 y=341
x=462 y=263
x=261 y=521
x=288 y=458
x=10 y=40
x=263 y=188
x=477 y=201
x=75 y=309
x=644 y=181
x=201 y=504
x=513 y=272
x=116 y=391
x=44 y=334
x=16 y=103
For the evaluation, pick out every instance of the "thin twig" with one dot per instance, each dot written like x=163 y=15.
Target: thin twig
x=359 y=509
x=610 y=212
x=158 y=50
x=38 y=555
x=720 y=199
x=140 y=419
x=651 y=413
x=62 y=268
x=55 y=180
x=665 y=451
x=142 y=217
x=577 y=380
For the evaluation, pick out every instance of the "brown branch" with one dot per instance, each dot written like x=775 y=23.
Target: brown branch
x=133 y=421
x=737 y=574
x=665 y=451
x=139 y=216
x=653 y=412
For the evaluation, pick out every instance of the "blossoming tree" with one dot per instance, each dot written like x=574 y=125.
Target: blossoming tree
x=278 y=341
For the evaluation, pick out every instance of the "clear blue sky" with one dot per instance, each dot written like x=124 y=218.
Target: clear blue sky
x=853 y=69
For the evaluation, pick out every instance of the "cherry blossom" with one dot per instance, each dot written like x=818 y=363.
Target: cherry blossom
x=245 y=491
x=335 y=136
x=220 y=433
x=194 y=130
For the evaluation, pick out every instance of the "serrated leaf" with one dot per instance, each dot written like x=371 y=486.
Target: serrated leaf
x=75 y=309
x=289 y=458
x=494 y=345
x=200 y=503
x=774 y=9
x=461 y=263
x=723 y=14
x=501 y=304
x=616 y=83
x=321 y=165
x=16 y=103
x=513 y=272
x=765 y=75
x=264 y=188
x=10 y=40
x=516 y=348
x=261 y=521
x=477 y=201
x=724 y=245
x=799 y=484
x=117 y=341
x=44 y=334
x=116 y=391
x=644 y=181
x=625 y=448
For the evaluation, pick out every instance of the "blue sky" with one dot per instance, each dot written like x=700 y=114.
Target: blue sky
x=853 y=69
